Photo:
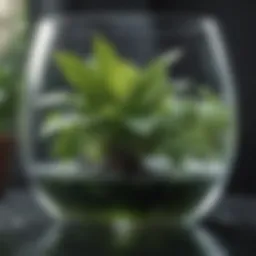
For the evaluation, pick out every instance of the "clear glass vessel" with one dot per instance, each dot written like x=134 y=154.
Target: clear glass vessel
x=75 y=191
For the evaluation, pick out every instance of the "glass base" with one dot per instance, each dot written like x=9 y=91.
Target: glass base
x=176 y=203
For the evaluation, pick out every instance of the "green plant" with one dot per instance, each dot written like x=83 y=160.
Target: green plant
x=10 y=76
x=123 y=112
x=9 y=79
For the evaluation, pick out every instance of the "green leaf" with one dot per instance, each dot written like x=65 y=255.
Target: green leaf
x=105 y=55
x=118 y=74
x=67 y=144
x=171 y=57
x=150 y=88
x=78 y=74
x=56 y=123
x=122 y=80
x=144 y=126
x=93 y=149
x=156 y=73
x=155 y=78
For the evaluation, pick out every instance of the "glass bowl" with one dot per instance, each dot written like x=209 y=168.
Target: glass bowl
x=75 y=190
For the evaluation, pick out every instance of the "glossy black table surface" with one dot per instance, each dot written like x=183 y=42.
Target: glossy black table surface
x=26 y=231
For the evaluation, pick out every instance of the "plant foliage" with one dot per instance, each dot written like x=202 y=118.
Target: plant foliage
x=121 y=107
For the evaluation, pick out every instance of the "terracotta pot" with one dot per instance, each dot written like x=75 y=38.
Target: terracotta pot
x=6 y=153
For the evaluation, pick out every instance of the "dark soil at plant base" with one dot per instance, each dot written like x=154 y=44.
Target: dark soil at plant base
x=83 y=198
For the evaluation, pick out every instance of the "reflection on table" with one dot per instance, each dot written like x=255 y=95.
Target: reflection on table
x=100 y=239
